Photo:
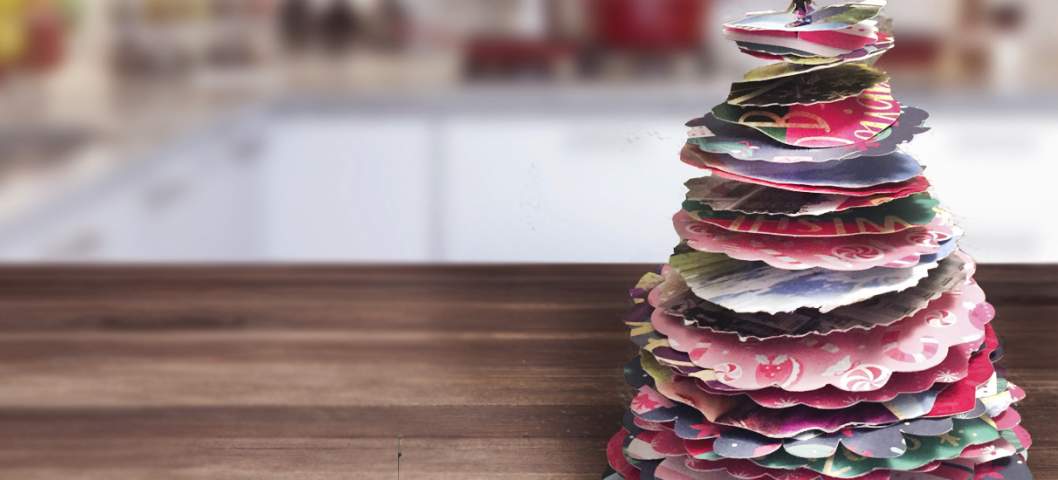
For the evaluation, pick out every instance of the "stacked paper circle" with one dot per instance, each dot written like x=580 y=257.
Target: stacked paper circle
x=818 y=320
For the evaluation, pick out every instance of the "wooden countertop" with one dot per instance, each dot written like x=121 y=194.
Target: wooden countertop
x=358 y=372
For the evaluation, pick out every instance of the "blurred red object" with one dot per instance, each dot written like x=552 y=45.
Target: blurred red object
x=490 y=56
x=45 y=35
x=653 y=25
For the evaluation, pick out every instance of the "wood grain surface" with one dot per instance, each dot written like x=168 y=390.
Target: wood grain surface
x=359 y=372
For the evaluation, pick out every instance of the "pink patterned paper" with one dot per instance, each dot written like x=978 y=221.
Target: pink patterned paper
x=616 y=457
x=848 y=122
x=861 y=252
x=856 y=361
x=655 y=445
x=959 y=368
x=851 y=38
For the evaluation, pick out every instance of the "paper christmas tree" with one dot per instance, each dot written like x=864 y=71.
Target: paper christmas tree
x=818 y=319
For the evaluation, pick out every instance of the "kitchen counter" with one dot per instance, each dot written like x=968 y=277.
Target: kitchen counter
x=359 y=372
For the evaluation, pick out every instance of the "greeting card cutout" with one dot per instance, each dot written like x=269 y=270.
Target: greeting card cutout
x=821 y=86
x=855 y=174
x=750 y=199
x=852 y=121
x=751 y=287
x=895 y=216
x=673 y=296
x=897 y=250
x=855 y=361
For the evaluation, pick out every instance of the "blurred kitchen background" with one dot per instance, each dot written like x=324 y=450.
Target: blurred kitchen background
x=454 y=130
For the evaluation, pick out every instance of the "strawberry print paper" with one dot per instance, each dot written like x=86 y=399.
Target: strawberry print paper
x=897 y=250
x=855 y=361
x=852 y=121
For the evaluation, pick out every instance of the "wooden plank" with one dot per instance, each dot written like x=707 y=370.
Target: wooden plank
x=106 y=458
x=315 y=372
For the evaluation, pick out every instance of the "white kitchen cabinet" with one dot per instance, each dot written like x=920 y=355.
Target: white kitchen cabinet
x=583 y=188
x=200 y=204
x=347 y=187
x=193 y=204
x=994 y=172
x=102 y=229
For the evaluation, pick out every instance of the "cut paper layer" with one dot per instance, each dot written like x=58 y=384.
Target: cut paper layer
x=750 y=199
x=829 y=18
x=694 y=469
x=1009 y=468
x=856 y=361
x=829 y=32
x=647 y=445
x=745 y=143
x=883 y=442
x=752 y=287
x=966 y=433
x=895 y=216
x=898 y=250
x=702 y=416
x=822 y=86
x=785 y=69
x=852 y=121
x=963 y=369
x=616 y=457
x=673 y=295
x=784 y=425
x=789 y=426
x=857 y=173
x=902 y=189
x=798 y=423
x=828 y=44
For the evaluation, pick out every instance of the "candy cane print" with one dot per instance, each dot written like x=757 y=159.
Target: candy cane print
x=891 y=344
